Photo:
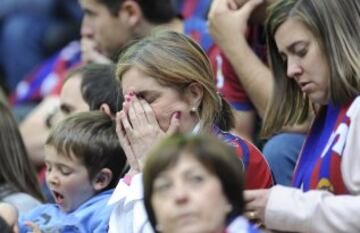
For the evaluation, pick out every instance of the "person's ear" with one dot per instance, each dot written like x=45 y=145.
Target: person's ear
x=194 y=94
x=102 y=179
x=131 y=13
x=106 y=109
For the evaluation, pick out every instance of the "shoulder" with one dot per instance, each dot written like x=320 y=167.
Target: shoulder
x=94 y=214
x=241 y=224
x=44 y=208
x=23 y=202
x=258 y=173
x=354 y=109
x=42 y=214
x=238 y=142
x=97 y=204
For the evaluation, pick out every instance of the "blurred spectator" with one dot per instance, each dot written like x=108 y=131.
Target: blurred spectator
x=193 y=8
x=18 y=182
x=30 y=30
x=237 y=27
x=194 y=175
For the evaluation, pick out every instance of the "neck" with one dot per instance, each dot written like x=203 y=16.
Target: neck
x=175 y=24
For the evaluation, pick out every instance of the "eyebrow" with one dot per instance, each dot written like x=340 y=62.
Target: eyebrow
x=88 y=11
x=52 y=162
x=292 y=46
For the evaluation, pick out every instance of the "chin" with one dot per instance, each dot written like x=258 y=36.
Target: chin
x=67 y=209
x=64 y=210
x=321 y=100
x=193 y=229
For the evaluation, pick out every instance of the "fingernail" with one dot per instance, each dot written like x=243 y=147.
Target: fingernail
x=177 y=115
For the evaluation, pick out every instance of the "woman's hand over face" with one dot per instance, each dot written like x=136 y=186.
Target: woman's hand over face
x=138 y=130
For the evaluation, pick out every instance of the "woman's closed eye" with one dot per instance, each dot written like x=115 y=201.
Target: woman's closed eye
x=300 y=49
x=301 y=52
x=149 y=97
x=162 y=185
x=196 y=179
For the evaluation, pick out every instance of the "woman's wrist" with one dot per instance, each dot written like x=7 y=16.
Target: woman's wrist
x=132 y=172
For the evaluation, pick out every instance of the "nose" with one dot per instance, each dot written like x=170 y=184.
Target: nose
x=86 y=29
x=51 y=178
x=181 y=194
x=293 y=68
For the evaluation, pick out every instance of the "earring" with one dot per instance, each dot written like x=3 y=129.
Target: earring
x=194 y=110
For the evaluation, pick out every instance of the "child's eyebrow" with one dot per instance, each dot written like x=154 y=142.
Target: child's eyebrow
x=56 y=164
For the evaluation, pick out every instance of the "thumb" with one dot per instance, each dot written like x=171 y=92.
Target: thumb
x=34 y=227
x=249 y=7
x=174 y=123
x=248 y=196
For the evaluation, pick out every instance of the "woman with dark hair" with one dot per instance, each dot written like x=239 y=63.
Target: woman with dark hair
x=18 y=181
x=194 y=184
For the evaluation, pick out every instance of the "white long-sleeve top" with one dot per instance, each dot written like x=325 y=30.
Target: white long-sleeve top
x=129 y=215
x=291 y=209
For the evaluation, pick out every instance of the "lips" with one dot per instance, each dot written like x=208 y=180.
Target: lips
x=186 y=218
x=305 y=86
x=59 y=198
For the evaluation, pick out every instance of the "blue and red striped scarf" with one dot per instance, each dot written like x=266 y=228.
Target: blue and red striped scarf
x=191 y=8
x=319 y=165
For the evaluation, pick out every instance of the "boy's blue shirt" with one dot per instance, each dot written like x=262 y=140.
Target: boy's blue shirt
x=92 y=216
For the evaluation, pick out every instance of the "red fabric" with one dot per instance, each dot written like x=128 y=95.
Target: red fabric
x=258 y=173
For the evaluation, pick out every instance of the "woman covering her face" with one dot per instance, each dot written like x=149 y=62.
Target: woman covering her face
x=194 y=184
x=315 y=53
x=168 y=87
